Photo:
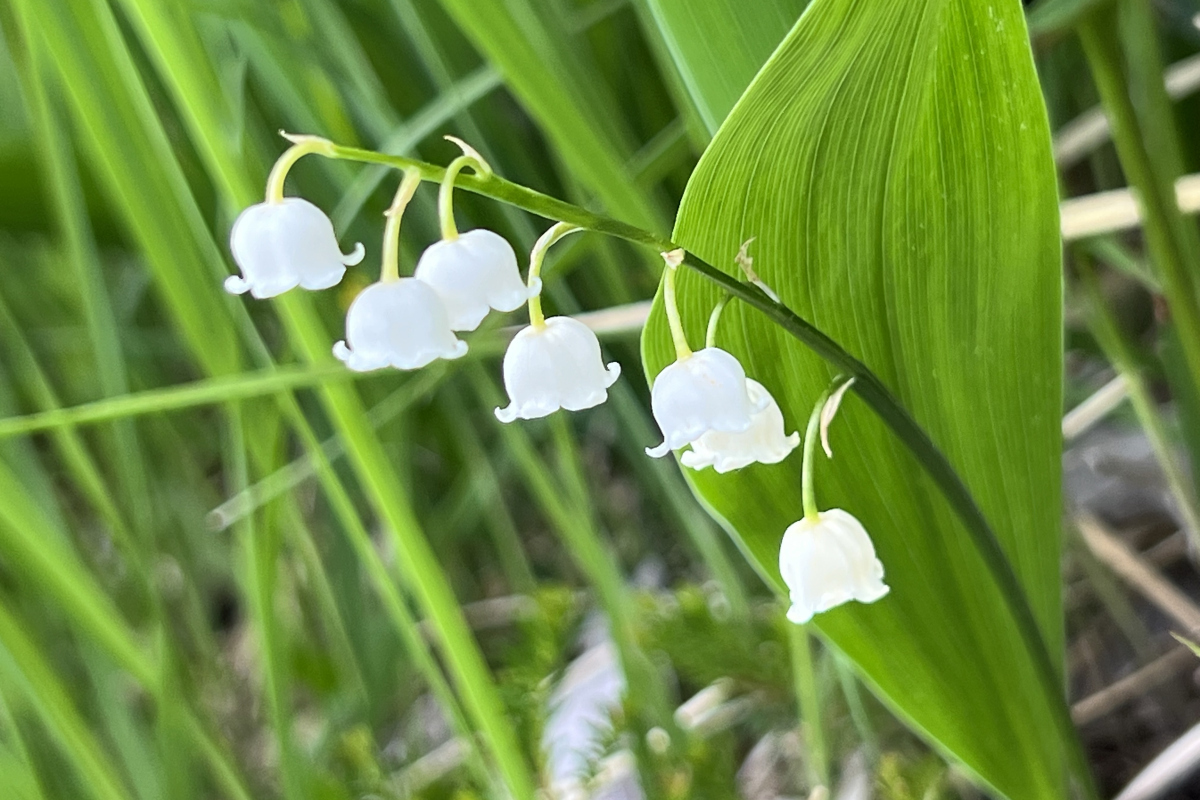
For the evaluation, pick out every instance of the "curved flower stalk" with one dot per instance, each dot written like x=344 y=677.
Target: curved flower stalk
x=553 y=363
x=476 y=271
x=287 y=242
x=397 y=322
x=764 y=442
x=702 y=391
x=827 y=558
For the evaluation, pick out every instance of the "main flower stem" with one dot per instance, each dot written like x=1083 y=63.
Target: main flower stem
x=390 y=269
x=808 y=495
x=536 y=256
x=867 y=386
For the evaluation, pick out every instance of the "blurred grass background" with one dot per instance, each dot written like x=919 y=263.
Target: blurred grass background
x=240 y=589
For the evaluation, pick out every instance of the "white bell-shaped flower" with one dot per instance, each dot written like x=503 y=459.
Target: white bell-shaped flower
x=474 y=273
x=764 y=442
x=829 y=561
x=397 y=323
x=703 y=392
x=285 y=244
x=552 y=366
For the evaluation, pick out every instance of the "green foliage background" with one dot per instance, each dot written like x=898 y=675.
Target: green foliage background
x=229 y=569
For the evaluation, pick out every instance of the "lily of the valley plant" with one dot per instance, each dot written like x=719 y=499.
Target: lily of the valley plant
x=704 y=401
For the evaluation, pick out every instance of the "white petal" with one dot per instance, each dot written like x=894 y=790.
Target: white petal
x=552 y=367
x=828 y=562
x=279 y=246
x=764 y=442
x=706 y=392
x=472 y=274
x=399 y=323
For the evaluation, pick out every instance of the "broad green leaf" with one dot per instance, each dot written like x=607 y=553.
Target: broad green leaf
x=892 y=161
x=718 y=46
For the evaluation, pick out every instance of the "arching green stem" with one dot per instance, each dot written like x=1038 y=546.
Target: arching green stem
x=390 y=269
x=301 y=146
x=536 y=256
x=673 y=259
x=807 y=494
x=710 y=336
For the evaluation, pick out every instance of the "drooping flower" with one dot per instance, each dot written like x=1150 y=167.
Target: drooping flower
x=397 y=323
x=826 y=561
x=702 y=392
x=764 y=442
x=282 y=244
x=554 y=365
x=473 y=273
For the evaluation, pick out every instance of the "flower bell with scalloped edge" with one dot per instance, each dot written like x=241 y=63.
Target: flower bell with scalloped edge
x=828 y=561
x=397 y=322
x=827 y=558
x=287 y=242
x=400 y=324
x=701 y=391
x=474 y=272
x=552 y=366
x=553 y=363
x=764 y=442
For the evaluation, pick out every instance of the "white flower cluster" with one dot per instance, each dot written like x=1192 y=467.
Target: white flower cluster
x=406 y=323
x=703 y=401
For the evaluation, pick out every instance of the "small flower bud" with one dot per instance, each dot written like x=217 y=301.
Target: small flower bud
x=397 y=323
x=828 y=561
x=764 y=442
x=285 y=244
x=555 y=365
x=473 y=273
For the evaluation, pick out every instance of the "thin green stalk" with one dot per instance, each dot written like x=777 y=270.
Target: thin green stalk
x=260 y=563
x=499 y=521
x=576 y=527
x=405 y=625
x=318 y=578
x=288 y=477
x=49 y=698
x=17 y=738
x=808 y=697
x=537 y=256
x=811 y=433
x=420 y=568
x=62 y=173
x=88 y=476
x=211 y=391
x=1165 y=228
x=1112 y=341
x=390 y=269
x=858 y=710
x=867 y=386
x=30 y=543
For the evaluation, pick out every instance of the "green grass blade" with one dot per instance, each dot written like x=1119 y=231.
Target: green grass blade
x=49 y=697
x=514 y=38
x=719 y=46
